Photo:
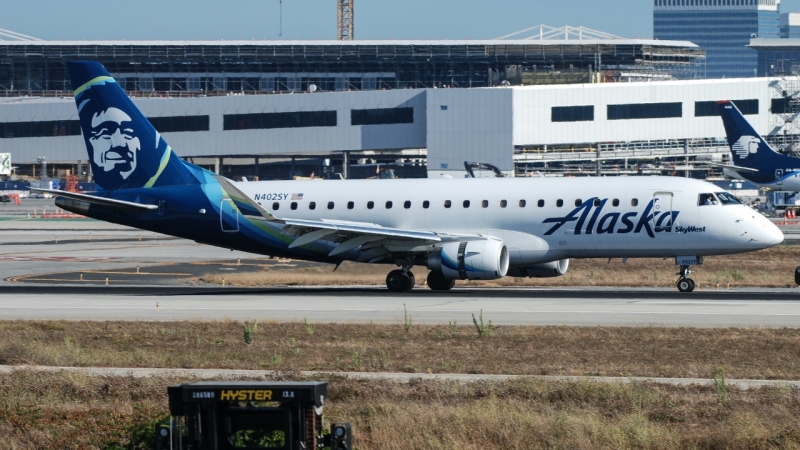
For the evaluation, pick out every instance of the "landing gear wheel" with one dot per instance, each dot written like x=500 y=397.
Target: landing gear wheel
x=686 y=285
x=412 y=281
x=437 y=282
x=797 y=275
x=398 y=281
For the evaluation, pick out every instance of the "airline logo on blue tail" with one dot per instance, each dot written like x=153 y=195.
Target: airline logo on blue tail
x=589 y=219
x=745 y=146
x=124 y=149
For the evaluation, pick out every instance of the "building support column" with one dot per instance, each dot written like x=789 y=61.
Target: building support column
x=599 y=163
x=218 y=166
x=686 y=152
x=345 y=164
x=258 y=173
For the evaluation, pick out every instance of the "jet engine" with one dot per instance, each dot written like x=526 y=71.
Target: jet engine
x=471 y=260
x=551 y=269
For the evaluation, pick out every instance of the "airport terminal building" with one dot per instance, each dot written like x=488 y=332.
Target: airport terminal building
x=514 y=128
x=463 y=102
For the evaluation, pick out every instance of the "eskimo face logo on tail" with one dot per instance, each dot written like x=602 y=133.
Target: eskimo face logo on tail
x=745 y=146
x=115 y=145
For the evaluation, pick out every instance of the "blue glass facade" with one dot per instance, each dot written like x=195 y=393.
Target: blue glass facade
x=723 y=28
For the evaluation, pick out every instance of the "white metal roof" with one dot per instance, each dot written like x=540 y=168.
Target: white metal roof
x=654 y=42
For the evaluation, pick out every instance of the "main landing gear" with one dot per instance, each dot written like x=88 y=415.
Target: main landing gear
x=685 y=284
x=400 y=280
x=437 y=281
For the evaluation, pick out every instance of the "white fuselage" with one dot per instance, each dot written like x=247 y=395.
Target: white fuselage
x=537 y=217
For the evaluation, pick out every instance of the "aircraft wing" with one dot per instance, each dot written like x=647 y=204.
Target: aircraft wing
x=736 y=168
x=98 y=200
x=374 y=240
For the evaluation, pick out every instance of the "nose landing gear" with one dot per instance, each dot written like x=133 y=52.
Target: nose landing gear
x=684 y=283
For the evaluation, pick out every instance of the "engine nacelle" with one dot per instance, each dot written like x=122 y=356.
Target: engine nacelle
x=472 y=260
x=551 y=269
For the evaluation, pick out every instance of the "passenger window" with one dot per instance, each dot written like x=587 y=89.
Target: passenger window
x=293 y=206
x=522 y=203
x=370 y=205
x=426 y=204
x=597 y=202
x=330 y=205
x=389 y=205
x=559 y=203
x=350 y=205
x=407 y=204
x=466 y=203
x=447 y=203
x=578 y=202
x=615 y=202
x=276 y=206
x=706 y=199
x=312 y=205
x=485 y=203
x=634 y=202
x=541 y=203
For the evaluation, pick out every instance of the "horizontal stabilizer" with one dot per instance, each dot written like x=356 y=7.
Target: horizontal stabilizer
x=736 y=168
x=98 y=200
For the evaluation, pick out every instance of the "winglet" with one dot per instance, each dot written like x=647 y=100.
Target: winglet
x=248 y=207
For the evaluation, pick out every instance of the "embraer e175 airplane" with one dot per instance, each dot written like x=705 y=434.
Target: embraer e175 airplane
x=476 y=229
x=753 y=159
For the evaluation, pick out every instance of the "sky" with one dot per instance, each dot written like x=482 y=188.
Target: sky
x=316 y=19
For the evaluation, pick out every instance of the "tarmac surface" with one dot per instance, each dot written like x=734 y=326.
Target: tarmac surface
x=57 y=269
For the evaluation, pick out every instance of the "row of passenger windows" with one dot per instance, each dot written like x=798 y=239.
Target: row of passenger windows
x=304 y=119
x=449 y=204
x=585 y=113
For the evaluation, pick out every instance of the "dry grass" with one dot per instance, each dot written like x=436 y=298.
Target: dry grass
x=758 y=353
x=767 y=268
x=62 y=410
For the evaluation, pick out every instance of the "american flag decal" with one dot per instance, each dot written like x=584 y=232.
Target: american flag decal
x=297 y=196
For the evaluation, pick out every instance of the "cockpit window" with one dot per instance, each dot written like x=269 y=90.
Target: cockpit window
x=728 y=199
x=707 y=199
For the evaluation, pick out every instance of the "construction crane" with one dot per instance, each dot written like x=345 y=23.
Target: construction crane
x=345 y=20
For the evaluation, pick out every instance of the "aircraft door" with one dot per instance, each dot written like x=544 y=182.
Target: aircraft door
x=662 y=212
x=779 y=176
x=228 y=216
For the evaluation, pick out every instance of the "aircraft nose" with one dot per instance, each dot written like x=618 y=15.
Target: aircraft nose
x=771 y=234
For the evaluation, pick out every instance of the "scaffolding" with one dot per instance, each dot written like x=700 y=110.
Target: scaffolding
x=345 y=23
x=785 y=108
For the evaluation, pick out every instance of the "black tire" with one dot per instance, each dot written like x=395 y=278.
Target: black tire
x=685 y=285
x=797 y=275
x=397 y=281
x=437 y=281
x=412 y=281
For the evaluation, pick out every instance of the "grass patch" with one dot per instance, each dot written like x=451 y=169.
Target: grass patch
x=758 y=353
x=64 y=410
x=773 y=267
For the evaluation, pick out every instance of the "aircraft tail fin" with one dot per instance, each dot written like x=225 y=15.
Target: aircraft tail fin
x=748 y=148
x=125 y=151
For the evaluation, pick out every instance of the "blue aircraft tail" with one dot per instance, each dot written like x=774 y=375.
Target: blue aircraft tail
x=125 y=151
x=747 y=146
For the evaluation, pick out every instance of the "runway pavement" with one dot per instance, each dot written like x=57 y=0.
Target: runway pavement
x=42 y=262
x=604 y=307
